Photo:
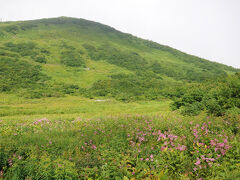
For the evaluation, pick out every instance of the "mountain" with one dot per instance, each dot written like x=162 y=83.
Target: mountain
x=57 y=56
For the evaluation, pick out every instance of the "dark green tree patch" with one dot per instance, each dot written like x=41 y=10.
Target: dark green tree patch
x=13 y=29
x=72 y=58
x=216 y=98
x=19 y=74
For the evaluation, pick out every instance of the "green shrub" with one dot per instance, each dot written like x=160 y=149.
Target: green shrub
x=40 y=59
x=72 y=58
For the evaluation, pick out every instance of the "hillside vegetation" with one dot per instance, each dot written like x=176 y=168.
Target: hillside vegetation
x=69 y=55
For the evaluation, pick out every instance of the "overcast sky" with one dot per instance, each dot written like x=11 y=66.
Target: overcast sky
x=206 y=28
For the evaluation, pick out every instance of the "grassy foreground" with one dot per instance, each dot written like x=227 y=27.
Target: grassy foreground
x=78 y=138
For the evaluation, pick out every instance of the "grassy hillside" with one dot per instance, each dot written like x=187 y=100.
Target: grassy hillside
x=78 y=56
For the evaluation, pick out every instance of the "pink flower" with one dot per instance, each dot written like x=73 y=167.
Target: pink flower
x=227 y=147
x=211 y=159
x=181 y=147
x=141 y=139
x=202 y=157
x=223 y=151
x=147 y=159
x=213 y=143
x=163 y=136
x=163 y=148
x=220 y=144
x=172 y=137
x=198 y=162
x=94 y=146
x=151 y=156
x=1 y=173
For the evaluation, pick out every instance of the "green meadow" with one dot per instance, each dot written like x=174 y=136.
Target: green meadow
x=15 y=107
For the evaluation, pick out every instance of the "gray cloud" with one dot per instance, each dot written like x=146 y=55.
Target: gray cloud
x=209 y=29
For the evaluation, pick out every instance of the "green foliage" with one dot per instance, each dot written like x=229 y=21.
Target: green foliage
x=127 y=59
x=24 y=49
x=13 y=29
x=72 y=58
x=217 y=98
x=129 y=87
x=40 y=59
x=19 y=74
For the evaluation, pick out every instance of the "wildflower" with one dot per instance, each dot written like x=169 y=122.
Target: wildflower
x=223 y=151
x=213 y=143
x=202 y=157
x=220 y=144
x=218 y=156
x=181 y=147
x=141 y=139
x=10 y=162
x=163 y=148
x=151 y=156
x=211 y=159
x=172 y=137
x=198 y=162
x=1 y=173
x=94 y=147
x=227 y=147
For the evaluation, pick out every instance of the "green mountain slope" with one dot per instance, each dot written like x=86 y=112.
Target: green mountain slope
x=52 y=57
